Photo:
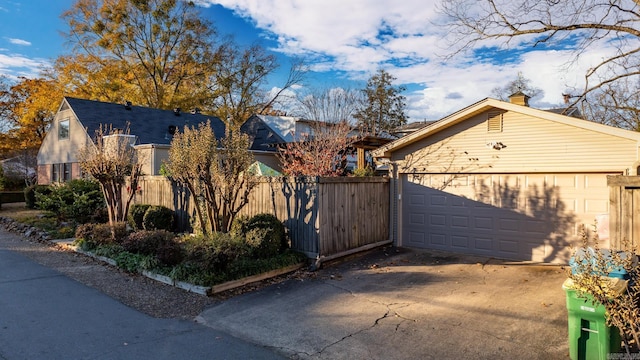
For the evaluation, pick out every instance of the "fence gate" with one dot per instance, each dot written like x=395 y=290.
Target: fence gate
x=624 y=210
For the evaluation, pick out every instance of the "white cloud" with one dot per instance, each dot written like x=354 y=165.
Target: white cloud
x=358 y=36
x=20 y=42
x=15 y=65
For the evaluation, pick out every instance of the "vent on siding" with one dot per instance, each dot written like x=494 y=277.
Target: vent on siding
x=494 y=122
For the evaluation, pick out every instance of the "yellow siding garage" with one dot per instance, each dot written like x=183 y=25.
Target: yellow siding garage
x=532 y=217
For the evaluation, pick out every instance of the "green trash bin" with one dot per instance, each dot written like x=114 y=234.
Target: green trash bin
x=589 y=336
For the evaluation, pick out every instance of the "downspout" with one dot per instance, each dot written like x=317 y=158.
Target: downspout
x=153 y=159
x=395 y=199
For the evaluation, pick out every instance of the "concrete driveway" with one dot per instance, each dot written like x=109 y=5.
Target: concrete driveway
x=407 y=304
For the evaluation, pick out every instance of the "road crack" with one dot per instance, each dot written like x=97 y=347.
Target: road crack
x=391 y=312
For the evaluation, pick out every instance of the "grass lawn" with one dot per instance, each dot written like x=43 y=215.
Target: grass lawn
x=37 y=218
x=18 y=211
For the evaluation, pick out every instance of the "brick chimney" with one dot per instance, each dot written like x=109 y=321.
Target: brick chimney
x=519 y=98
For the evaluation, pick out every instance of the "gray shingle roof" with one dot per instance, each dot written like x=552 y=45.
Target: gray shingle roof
x=152 y=126
x=263 y=136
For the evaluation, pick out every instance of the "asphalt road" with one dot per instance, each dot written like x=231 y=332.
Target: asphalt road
x=46 y=315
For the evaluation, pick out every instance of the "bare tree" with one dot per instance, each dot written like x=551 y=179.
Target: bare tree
x=112 y=161
x=616 y=104
x=297 y=72
x=614 y=23
x=519 y=84
x=329 y=105
x=321 y=152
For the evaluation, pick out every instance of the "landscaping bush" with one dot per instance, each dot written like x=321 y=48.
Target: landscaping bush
x=77 y=200
x=170 y=253
x=84 y=231
x=239 y=226
x=30 y=194
x=158 y=218
x=135 y=217
x=159 y=243
x=100 y=234
x=214 y=253
x=266 y=236
x=146 y=241
x=364 y=172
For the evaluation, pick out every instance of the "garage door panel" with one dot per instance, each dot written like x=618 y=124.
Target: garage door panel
x=416 y=219
x=437 y=200
x=461 y=222
x=437 y=220
x=506 y=225
x=511 y=216
x=566 y=181
x=481 y=223
x=509 y=247
x=460 y=241
x=438 y=239
x=417 y=238
x=483 y=243
x=592 y=181
x=416 y=199
x=594 y=206
x=458 y=201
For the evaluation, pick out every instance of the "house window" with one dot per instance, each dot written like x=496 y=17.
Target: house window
x=66 y=172
x=494 y=122
x=61 y=172
x=55 y=172
x=63 y=129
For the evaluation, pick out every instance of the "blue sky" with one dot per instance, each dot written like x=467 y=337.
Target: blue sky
x=344 y=41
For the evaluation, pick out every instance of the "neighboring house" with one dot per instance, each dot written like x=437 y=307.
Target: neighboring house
x=77 y=121
x=406 y=129
x=501 y=179
x=291 y=129
x=21 y=166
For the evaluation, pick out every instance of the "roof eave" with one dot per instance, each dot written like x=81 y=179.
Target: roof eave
x=487 y=103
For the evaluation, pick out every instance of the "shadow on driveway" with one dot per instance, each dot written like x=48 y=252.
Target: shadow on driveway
x=407 y=304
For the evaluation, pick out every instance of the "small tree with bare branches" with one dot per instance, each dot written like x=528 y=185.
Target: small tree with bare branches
x=322 y=152
x=113 y=162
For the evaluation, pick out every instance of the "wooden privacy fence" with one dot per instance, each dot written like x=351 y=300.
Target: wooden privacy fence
x=324 y=217
x=624 y=210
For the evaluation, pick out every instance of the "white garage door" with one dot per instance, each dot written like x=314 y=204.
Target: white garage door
x=518 y=216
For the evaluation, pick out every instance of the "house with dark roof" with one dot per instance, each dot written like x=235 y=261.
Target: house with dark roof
x=151 y=131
